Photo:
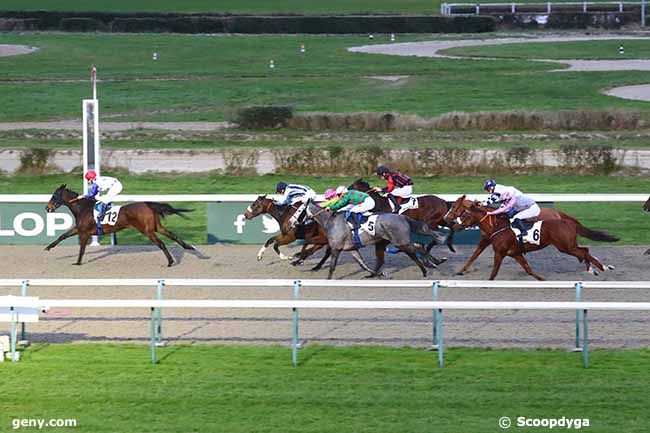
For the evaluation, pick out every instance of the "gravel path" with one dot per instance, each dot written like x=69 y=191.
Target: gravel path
x=484 y=328
x=15 y=50
x=75 y=125
x=433 y=48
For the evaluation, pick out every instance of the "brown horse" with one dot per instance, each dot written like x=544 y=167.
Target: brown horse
x=646 y=207
x=557 y=232
x=546 y=214
x=312 y=233
x=431 y=210
x=142 y=216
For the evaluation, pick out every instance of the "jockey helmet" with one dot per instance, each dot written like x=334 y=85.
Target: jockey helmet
x=382 y=170
x=341 y=190
x=280 y=187
x=490 y=183
x=90 y=175
x=330 y=194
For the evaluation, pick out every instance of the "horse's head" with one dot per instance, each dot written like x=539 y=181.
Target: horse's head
x=646 y=206
x=457 y=210
x=360 y=185
x=61 y=196
x=260 y=205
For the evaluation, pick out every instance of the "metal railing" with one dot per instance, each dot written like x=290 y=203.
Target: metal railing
x=11 y=305
x=541 y=7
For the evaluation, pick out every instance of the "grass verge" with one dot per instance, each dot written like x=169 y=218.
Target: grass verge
x=109 y=388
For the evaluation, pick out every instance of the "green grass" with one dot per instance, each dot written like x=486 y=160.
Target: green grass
x=212 y=388
x=626 y=220
x=584 y=50
x=208 y=78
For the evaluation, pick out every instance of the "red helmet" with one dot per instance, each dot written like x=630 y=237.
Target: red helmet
x=90 y=175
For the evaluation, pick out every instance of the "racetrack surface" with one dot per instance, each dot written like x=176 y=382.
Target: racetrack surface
x=412 y=328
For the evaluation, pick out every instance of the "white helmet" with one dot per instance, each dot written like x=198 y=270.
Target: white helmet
x=341 y=190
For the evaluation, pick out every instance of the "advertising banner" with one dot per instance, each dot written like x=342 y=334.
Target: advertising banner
x=30 y=224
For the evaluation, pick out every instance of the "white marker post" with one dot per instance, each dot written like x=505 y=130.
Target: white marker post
x=90 y=133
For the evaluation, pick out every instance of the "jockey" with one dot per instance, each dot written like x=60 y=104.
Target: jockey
x=361 y=202
x=330 y=197
x=512 y=201
x=293 y=193
x=399 y=189
x=110 y=186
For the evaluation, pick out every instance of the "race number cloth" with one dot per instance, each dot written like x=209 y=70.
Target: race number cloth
x=534 y=233
x=369 y=225
x=111 y=215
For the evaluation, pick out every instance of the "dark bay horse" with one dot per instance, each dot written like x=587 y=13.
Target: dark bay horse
x=546 y=214
x=142 y=216
x=389 y=229
x=557 y=232
x=312 y=233
x=431 y=209
x=646 y=207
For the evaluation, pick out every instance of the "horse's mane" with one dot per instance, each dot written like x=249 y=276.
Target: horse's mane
x=360 y=182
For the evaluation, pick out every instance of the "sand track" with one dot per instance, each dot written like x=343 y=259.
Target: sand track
x=484 y=328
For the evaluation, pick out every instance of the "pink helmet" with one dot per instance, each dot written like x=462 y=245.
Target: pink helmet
x=330 y=194
x=90 y=175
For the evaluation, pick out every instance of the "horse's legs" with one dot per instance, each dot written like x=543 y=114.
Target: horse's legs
x=581 y=253
x=524 y=264
x=160 y=244
x=335 y=258
x=175 y=238
x=268 y=242
x=283 y=239
x=380 y=252
x=482 y=245
x=328 y=252
x=306 y=251
x=73 y=231
x=83 y=240
x=359 y=259
x=498 y=259
x=411 y=252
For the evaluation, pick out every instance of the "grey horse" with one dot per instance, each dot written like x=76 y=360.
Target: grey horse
x=389 y=229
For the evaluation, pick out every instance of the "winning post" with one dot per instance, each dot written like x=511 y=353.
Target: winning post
x=91 y=142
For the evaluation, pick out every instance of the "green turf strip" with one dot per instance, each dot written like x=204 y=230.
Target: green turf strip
x=212 y=388
x=209 y=78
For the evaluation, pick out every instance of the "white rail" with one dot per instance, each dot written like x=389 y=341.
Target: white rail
x=10 y=305
x=538 y=7
x=541 y=197
x=200 y=282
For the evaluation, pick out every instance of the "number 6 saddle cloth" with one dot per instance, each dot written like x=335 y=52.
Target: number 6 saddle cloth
x=534 y=233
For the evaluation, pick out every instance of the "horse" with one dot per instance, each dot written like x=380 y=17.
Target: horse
x=557 y=232
x=431 y=210
x=389 y=229
x=646 y=207
x=142 y=216
x=312 y=233
x=546 y=214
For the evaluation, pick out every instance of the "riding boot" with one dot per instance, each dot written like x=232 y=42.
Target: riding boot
x=395 y=201
x=519 y=224
x=353 y=218
x=101 y=212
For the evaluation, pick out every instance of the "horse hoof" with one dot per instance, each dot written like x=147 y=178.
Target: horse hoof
x=76 y=264
x=459 y=273
x=259 y=258
x=610 y=267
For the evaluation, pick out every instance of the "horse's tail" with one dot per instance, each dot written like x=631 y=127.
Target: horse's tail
x=164 y=209
x=423 y=229
x=594 y=235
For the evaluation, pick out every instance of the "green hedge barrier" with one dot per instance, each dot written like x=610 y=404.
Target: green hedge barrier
x=217 y=23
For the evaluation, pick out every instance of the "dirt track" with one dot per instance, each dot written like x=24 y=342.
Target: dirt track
x=494 y=329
